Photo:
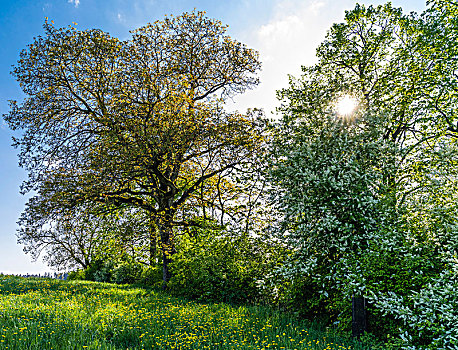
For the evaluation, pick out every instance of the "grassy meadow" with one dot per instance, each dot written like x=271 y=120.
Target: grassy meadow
x=53 y=314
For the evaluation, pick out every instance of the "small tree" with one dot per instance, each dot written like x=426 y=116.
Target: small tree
x=77 y=237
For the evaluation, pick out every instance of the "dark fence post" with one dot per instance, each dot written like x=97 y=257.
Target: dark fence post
x=359 y=316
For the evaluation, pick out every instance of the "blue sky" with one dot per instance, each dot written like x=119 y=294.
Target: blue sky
x=286 y=33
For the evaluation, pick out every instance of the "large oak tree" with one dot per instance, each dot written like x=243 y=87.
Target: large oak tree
x=135 y=123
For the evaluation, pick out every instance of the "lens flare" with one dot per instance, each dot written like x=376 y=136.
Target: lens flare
x=346 y=105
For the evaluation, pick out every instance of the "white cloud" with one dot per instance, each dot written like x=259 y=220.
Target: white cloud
x=46 y=6
x=75 y=2
x=121 y=18
x=316 y=5
x=288 y=40
x=285 y=43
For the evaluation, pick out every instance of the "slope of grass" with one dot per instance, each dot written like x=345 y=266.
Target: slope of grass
x=52 y=314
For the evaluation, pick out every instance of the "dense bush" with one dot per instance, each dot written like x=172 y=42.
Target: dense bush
x=302 y=296
x=213 y=265
x=105 y=272
x=76 y=275
x=150 y=276
x=129 y=272
x=121 y=272
x=97 y=271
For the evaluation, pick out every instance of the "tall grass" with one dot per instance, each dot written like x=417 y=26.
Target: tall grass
x=53 y=314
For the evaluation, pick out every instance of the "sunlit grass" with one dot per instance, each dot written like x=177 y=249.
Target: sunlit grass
x=53 y=314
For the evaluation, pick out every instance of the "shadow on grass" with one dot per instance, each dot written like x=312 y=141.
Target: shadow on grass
x=109 y=316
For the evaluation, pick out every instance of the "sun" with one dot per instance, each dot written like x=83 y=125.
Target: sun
x=346 y=105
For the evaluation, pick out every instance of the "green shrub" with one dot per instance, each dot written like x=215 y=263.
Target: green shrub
x=129 y=272
x=126 y=271
x=213 y=265
x=77 y=275
x=89 y=272
x=105 y=272
x=99 y=271
x=302 y=296
x=150 y=276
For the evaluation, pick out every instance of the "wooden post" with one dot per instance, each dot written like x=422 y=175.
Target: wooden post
x=359 y=316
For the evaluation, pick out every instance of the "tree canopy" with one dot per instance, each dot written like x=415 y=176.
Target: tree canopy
x=139 y=122
x=369 y=199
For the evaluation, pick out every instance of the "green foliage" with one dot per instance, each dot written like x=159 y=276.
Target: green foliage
x=214 y=265
x=100 y=271
x=167 y=122
x=125 y=270
x=150 y=276
x=104 y=272
x=302 y=296
x=369 y=200
x=127 y=273
x=78 y=275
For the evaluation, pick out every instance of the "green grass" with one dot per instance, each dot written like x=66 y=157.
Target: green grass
x=52 y=314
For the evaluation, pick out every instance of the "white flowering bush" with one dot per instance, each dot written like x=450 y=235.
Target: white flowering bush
x=369 y=198
x=429 y=317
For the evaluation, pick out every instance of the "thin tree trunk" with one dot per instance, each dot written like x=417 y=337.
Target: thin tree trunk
x=152 y=241
x=168 y=249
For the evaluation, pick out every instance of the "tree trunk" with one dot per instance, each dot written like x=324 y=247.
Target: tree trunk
x=152 y=249
x=152 y=241
x=168 y=249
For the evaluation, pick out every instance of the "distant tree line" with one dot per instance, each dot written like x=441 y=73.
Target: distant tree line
x=52 y=275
